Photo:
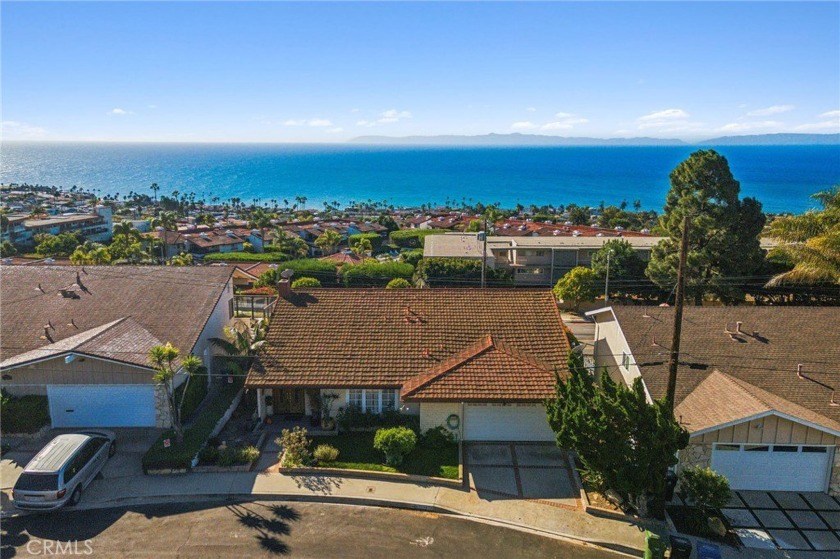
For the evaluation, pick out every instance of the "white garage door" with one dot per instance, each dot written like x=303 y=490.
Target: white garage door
x=773 y=467
x=102 y=406
x=506 y=423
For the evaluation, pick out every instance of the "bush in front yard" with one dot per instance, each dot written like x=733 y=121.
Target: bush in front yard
x=295 y=444
x=326 y=453
x=706 y=488
x=196 y=391
x=23 y=414
x=395 y=442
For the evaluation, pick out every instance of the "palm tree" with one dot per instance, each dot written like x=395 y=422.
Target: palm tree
x=242 y=339
x=155 y=189
x=167 y=220
x=328 y=240
x=126 y=228
x=291 y=245
x=260 y=220
x=811 y=241
x=165 y=359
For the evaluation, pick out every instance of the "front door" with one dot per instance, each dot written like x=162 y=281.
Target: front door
x=289 y=401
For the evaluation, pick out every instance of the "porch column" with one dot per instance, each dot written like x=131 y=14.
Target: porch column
x=260 y=404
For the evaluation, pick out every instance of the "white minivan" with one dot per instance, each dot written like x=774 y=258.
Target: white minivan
x=63 y=469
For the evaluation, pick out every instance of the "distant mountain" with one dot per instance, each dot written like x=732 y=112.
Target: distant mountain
x=774 y=140
x=511 y=140
x=517 y=139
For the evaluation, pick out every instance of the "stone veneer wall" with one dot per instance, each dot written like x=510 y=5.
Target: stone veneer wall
x=834 y=482
x=163 y=418
x=696 y=454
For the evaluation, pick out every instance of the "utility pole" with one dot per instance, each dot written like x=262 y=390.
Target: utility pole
x=607 y=283
x=673 y=363
x=484 y=254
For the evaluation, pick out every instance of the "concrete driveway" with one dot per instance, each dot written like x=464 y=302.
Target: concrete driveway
x=131 y=445
x=535 y=471
x=786 y=520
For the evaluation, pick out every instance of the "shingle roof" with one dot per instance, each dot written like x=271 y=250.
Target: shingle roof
x=774 y=341
x=485 y=371
x=377 y=337
x=123 y=309
x=721 y=399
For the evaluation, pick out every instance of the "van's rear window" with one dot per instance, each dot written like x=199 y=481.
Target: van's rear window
x=37 y=482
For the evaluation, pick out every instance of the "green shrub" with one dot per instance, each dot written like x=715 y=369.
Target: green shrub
x=395 y=443
x=437 y=437
x=398 y=283
x=305 y=282
x=352 y=417
x=459 y=272
x=322 y=270
x=209 y=455
x=245 y=257
x=412 y=257
x=295 y=444
x=375 y=240
x=705 y=487
x=180 y=455
x=375 y=274
x=248 y=454
x=23 y=414
x=325 y=454
x=412 y=238
x=196 y=391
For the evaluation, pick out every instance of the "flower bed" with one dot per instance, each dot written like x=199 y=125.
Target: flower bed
x=178 y=457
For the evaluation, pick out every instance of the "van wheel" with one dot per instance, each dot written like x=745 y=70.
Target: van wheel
x=75 y=497
x=112 y=449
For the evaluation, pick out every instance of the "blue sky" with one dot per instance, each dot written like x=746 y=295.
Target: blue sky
x=328 y=72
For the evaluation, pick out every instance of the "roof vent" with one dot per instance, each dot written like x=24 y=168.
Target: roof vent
x=230 y=234
x=576 y=233
x=204 y=236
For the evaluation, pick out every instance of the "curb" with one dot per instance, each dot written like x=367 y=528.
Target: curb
x=338 y=500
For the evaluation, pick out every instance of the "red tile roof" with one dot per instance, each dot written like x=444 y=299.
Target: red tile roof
x=487 y=371
x=385 y=338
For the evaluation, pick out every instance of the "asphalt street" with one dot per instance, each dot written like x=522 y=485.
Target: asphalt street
x=272 y=529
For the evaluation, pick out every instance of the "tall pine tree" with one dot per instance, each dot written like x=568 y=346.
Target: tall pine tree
x=724 y=236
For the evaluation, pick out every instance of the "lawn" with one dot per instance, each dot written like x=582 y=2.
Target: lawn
x=356 y=452
x=24 y=414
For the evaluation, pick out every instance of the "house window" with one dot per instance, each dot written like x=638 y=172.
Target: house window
x=230 y=309
x=389 y=400
x=356 y=398
x=372 y=401
x=625 y=361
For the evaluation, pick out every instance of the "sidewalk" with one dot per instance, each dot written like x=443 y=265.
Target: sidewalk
x=523 y=514
x=541 y=518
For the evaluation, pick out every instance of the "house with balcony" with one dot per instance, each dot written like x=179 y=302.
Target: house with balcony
x=96 y=226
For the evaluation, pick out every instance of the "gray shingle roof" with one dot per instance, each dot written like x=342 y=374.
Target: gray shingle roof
x=117 y=312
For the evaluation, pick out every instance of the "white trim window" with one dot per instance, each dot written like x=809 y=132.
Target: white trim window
x=373 y=400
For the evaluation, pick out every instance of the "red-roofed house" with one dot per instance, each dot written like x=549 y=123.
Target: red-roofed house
x=478 y=362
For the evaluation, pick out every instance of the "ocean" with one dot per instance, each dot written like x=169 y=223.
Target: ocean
x=781 y=177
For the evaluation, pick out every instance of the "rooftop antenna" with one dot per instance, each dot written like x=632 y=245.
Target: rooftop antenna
x=39 y=288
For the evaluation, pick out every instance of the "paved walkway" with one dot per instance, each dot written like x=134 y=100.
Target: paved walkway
x=533 y=516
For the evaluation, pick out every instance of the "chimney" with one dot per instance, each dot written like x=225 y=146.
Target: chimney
x=284 y=285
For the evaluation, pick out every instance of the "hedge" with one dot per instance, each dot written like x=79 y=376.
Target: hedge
x=24 y=414
x=375 y=274
x=196 y=392
x=375 y=240
x=180 y=455
x=322 y=270
x=459 y=272
x=412 y=238
x=245 y=257
x=412 y=256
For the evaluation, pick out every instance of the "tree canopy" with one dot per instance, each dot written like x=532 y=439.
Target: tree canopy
x=624 y=442
x=724 y=232
x=577 y=286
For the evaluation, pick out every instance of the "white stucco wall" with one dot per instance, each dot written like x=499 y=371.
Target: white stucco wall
x=433 y=414
x=610 y=347
x=215 y=327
